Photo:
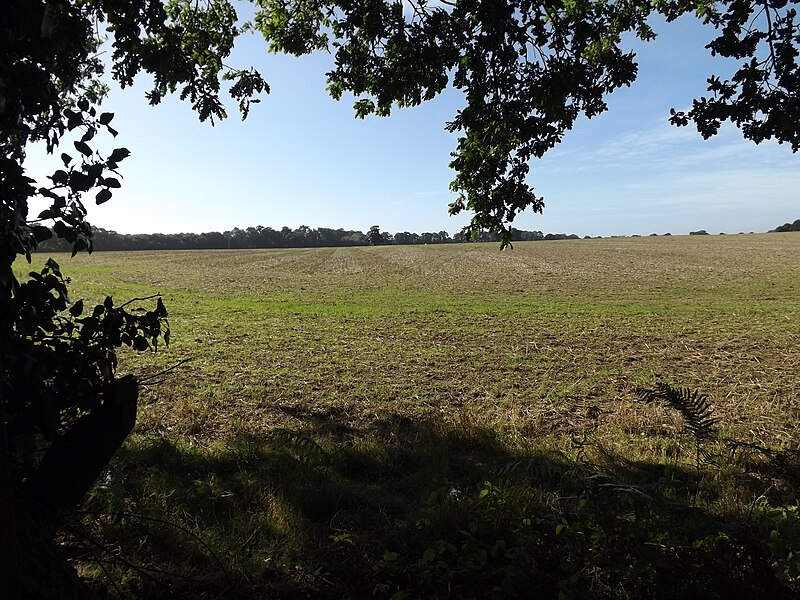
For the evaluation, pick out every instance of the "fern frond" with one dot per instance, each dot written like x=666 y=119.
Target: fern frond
x=302 y=448
x=694 y=407
x=539 y=467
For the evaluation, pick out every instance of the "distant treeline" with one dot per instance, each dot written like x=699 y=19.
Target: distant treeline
x=266 y=237
x=788 y=227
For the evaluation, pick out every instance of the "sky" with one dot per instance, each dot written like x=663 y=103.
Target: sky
x=302 y=158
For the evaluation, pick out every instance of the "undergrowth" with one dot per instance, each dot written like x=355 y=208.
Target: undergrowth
x=426 y=510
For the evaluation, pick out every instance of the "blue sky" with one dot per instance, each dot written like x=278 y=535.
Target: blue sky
x=303 y=159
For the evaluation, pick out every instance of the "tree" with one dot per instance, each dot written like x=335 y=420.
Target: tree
x=527 y=69
x=374 y=237
x=404 y=237
x=788 y=227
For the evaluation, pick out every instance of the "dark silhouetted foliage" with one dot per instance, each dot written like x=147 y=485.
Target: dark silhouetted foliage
x=788 y=227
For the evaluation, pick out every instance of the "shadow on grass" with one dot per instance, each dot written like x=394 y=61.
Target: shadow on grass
x=420 y=509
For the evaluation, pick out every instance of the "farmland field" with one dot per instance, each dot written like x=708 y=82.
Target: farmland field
x=527 y=340
x=328 y=390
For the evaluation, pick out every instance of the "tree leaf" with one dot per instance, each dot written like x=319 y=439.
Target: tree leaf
x=77 y=246
x=41 y=233
x=103 y=195
x=73 y=119
x=83 y=148
x=119 y=154
x=60 y=177
x=89 y=134
x=60 y=229
x=49 y=194
x=161 y=310
x=76 y=309
x=80 y=182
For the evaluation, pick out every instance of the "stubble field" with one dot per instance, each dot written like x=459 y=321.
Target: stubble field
x=333 y=393
x=547 y=339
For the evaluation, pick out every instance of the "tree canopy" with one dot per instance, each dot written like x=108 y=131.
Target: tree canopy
x=795 y=226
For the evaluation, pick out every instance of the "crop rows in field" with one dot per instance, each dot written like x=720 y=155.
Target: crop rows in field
x=547 y=339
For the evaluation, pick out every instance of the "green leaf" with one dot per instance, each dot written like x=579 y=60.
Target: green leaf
x=694 y=407
x=73 y=119
x=50 y=194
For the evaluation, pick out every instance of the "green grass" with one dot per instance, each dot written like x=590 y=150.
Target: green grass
x=453 y=421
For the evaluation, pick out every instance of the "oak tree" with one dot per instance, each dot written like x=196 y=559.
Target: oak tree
x=374 y=236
